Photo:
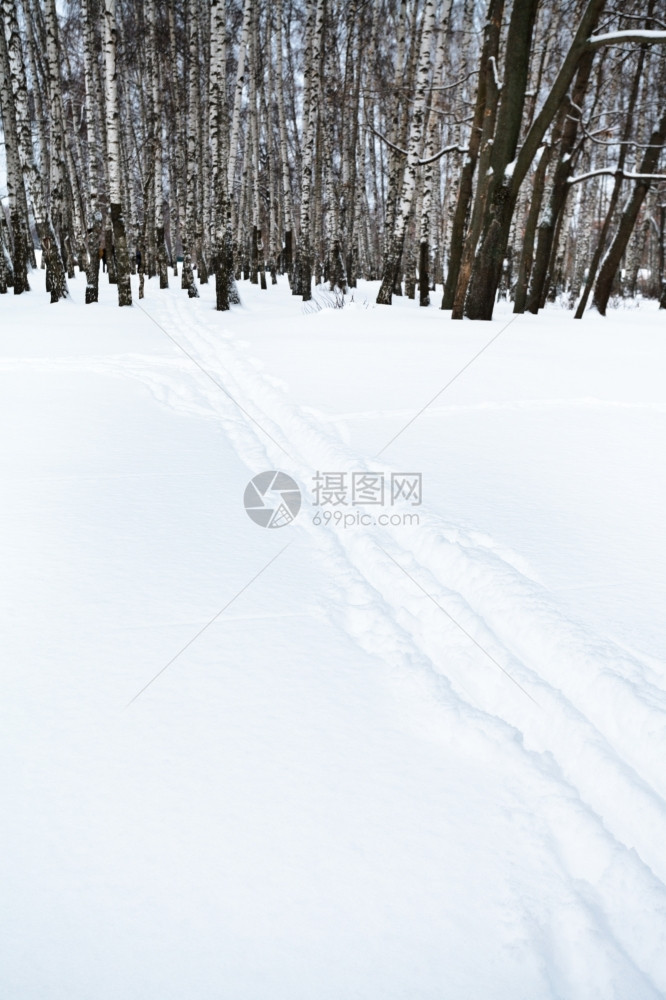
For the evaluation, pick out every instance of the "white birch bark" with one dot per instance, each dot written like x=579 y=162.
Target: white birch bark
x=287 y=207
x=6 y=276
x=188 y=234
x=232 y=157
x=56 y=116
x=14 y=173
x=114 y=165
x=432 y=132
x=253 y=154
x=20 y=92
x=221 y=238
x=36 y=181
x=37 y=91
x=303 y=279
x=395 y=164
x=177 y=161
x=92 y=157
x=234 y=131
x=216 y=108
x=157 y=137
x=414 y=143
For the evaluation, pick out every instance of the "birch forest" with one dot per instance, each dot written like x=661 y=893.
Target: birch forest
x=456 y=152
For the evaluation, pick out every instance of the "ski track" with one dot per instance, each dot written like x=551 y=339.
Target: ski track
x=599 y=781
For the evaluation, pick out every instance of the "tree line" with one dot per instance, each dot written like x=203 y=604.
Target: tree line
x=497 y=149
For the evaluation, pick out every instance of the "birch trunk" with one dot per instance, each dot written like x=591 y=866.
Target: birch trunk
x=188 y=234
x=217 y=125
x=303 y=283
x=36 y=181
x=414 y=143
x=23 y=124
x=114 y=164
x=57 y=140
x=287 y=207
x=17 y=217
x=425 y=207
x=232 y=158
x=94 y=229
x=156 y=136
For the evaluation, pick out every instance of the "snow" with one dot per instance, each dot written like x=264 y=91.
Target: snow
x=508 y=171
x=498 y=82
x=627 y=175
x=415 y=761
x=631 y=35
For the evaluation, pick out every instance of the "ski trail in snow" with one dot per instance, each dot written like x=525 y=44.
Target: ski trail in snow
x=576 y=753
x=492 y=591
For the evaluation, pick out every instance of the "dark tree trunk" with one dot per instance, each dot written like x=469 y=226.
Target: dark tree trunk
x=615 y=194
x=254 y=256
x=501 y=199
x=162 y=268
x=338 y=276
x=499 y=205
x=609 y=268
x=487 y=272
x=110 y=257
x=424 y=277
x=20 y=260
x=560 y=186
x=392 y=272
x=410 y=275
x=56 y=282
x=287 y=259
x=485 y=99
x=221 y=284
x=122 y=256
x=92 y=270
x=526 y=256
x=305 y=276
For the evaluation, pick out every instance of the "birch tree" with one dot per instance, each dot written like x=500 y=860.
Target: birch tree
x=113 y=162
x=93 y=129
x=414 y=142
x=287 y=209
x=15 y=190
x=156 y=143
x=303 y=270
x=18 y=135
x=309 y=137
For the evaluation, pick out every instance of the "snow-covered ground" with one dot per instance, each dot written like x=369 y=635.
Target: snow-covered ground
x=415 y=761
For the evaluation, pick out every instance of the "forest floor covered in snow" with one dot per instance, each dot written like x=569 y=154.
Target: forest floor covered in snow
x=407 y=760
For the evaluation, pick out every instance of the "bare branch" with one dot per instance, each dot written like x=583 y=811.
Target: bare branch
x=624 y=175
x=626 y=38
x=403 y=152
